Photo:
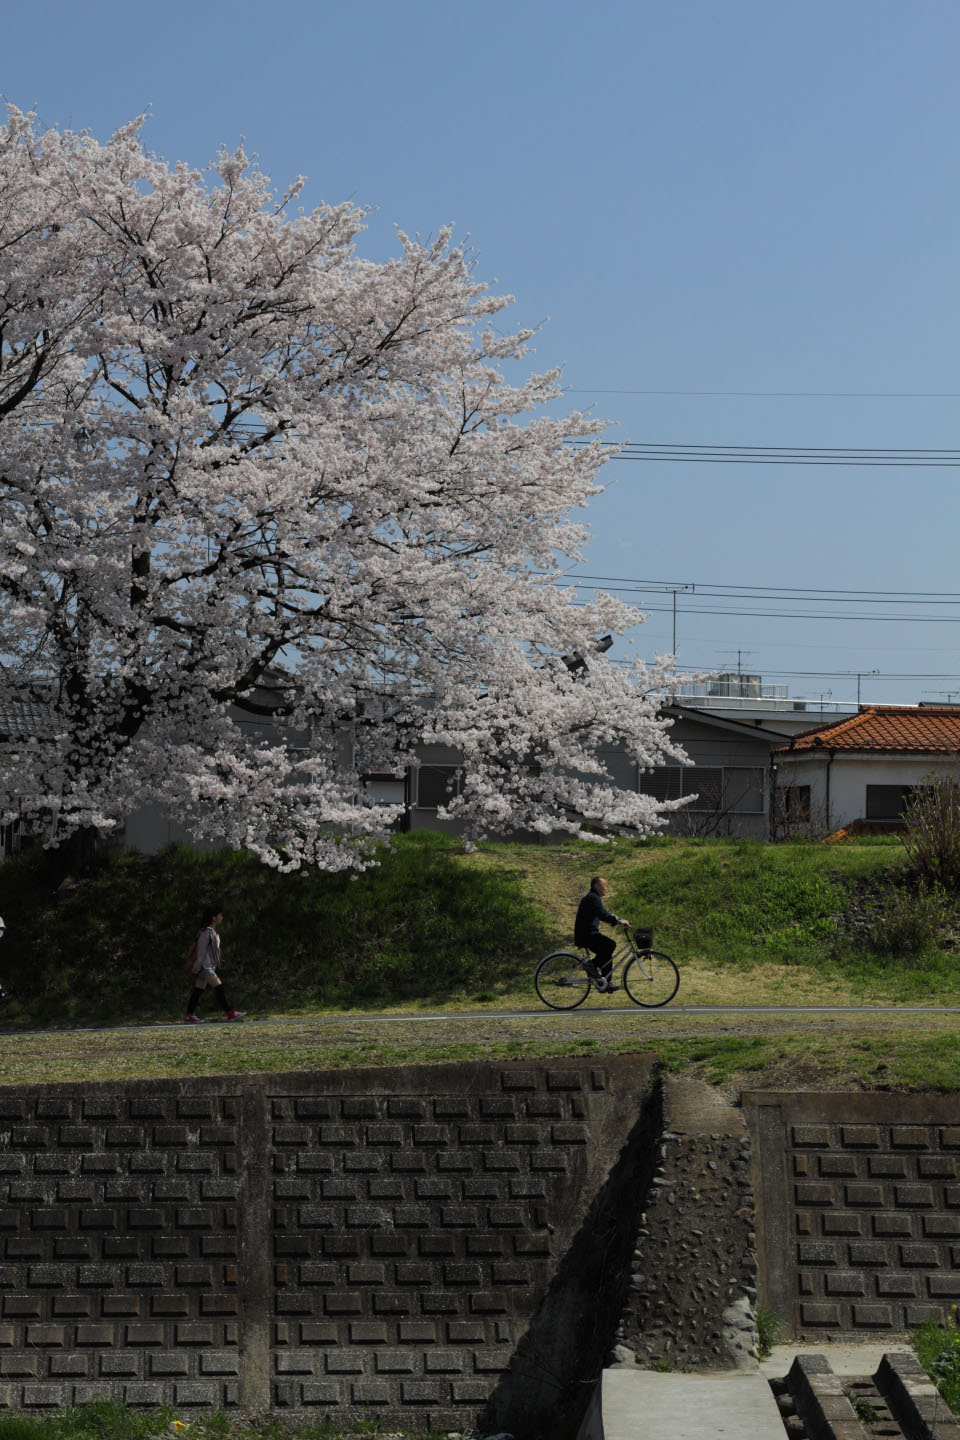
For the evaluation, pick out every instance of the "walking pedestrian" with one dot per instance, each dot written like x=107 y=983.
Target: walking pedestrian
x=206 y=965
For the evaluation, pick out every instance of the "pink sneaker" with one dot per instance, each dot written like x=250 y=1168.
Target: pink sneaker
x=192 y=1020
x=236 y=1014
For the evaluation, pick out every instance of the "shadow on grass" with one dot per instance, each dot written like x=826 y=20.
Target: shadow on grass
x=419 y=926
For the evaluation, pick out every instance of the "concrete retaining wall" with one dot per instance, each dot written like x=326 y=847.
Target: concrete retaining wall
x=859 y=1209
x=448 y=1245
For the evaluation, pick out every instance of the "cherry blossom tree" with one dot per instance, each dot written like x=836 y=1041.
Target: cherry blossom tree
x=246 y=473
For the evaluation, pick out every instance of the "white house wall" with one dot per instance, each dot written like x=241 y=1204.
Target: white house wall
x=838 y=784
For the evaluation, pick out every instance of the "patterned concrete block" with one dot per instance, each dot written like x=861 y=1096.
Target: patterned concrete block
x=305 y=1241
x=885 y=1180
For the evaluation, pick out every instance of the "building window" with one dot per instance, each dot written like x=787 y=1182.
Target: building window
x=730 y=789
x=663 y=782
x=437 y=785
x=743 y=789
x=793 y=804
x=886 y=802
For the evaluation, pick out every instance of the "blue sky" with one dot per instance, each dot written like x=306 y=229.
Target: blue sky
x=742 y=196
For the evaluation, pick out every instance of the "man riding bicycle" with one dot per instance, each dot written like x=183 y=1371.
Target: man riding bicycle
x=586 y=931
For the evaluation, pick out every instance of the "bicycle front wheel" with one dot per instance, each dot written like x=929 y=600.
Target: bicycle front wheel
x=562 y=981
x=651 y=979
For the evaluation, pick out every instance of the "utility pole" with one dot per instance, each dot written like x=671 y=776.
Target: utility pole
x=675 y=591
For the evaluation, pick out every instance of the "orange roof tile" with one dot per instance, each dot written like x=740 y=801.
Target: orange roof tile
x=886 y=727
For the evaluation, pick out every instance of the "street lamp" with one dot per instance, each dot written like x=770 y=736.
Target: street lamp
x=575 y=662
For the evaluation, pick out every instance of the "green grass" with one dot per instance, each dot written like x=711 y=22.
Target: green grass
x=743 y=902
x=911 y=1052
x=938 y=1350
x=418 y=925
x=102 y=1420
x=105 y=1420
x=769 y=1330
x=865 y=1412
x=431 y=925
x=849 y=914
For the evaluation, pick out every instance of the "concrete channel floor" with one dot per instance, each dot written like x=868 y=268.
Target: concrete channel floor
x=724 y=1405
x=652 y=1405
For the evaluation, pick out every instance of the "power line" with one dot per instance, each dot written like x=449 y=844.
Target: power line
x=754 y=609
x=841 y=455
x=793 y=591
x=792 y=602
x=836 y=599
x=784 y=394
x=802 y=615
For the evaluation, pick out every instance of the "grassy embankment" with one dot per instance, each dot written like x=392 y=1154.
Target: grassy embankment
x=432 y=929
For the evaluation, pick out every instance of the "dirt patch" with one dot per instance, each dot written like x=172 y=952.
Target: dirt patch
x=556 y=879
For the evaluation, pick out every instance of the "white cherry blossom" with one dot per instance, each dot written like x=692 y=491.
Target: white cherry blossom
x=245 y=472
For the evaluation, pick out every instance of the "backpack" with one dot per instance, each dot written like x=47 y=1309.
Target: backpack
x=191 y=959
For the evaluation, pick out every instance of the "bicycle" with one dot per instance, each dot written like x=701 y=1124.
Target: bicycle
x=565 y=978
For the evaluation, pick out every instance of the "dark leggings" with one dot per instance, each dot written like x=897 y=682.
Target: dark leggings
x=194 y=1000
x=603 y=947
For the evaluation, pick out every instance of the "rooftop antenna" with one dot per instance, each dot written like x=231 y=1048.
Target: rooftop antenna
x=948 y=695
x=739 y=654
x=860 y=674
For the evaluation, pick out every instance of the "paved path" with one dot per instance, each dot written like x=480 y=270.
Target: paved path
x=540 y=1013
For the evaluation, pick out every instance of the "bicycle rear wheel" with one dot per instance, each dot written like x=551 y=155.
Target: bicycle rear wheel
x=651 y=979
x=562 y=981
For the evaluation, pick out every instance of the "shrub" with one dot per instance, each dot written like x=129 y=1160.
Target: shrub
x=938 y=1350
x=769 y=1330
x=932 y=837
x=908 y=922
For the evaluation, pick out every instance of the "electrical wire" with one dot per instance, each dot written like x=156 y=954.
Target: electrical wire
x=693 y=609
x=842 y=455
x=694 y=598
x=797 y=591
x=651 y=607
x=784 y=394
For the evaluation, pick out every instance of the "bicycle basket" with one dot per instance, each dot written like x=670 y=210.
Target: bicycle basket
x=643 y=939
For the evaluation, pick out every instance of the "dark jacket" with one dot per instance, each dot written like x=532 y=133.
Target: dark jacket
x=590 y=912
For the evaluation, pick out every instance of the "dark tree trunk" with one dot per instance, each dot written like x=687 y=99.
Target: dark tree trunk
x=75 y=856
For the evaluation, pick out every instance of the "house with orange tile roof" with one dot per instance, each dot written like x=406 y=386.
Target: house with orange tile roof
x=862 y=767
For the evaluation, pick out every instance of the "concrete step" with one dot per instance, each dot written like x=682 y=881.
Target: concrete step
x=856 y=1392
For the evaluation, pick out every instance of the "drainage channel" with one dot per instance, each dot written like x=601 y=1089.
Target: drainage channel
x=811 y=1401
x=897 y=1400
